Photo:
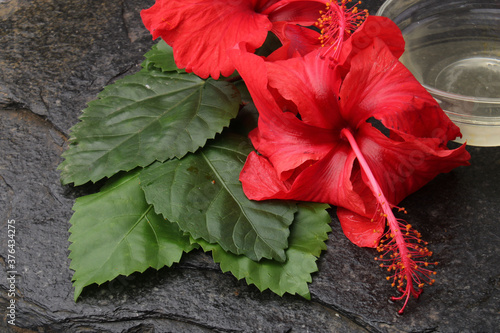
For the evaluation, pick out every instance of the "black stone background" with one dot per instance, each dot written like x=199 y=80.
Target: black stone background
x=55 y=56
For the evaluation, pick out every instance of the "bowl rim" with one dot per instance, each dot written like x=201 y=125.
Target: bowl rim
x=473 y=120
x=449 y=95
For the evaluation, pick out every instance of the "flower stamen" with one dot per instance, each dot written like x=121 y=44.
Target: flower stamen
x=336 y=24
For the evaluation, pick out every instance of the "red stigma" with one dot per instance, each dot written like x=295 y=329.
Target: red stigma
x=337 y=23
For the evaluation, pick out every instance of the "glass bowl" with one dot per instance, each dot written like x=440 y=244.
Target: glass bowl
x=453 y=49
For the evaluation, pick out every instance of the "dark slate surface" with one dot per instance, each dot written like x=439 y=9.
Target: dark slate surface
x=55 y=56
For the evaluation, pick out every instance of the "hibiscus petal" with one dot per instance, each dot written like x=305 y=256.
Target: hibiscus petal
x=379 y=86
x=290 y=143
x=260 y=180
x=373 y=27
x=303 y=12
x=312 y=85
x=253 y=70
x=402 y=168
x=202 y=31
x=296 y=40
x=327 y=181
x=362 y=231
x=287 y=141
x=362 y=227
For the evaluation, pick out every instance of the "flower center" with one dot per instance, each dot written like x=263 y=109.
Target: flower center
x=337 y=23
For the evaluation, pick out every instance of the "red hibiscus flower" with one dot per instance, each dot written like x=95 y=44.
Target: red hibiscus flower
x=202 y=31
x=361 y=134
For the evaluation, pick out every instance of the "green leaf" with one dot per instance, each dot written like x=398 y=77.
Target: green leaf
x=161 y=56
x=116 y=232
x=145 y=117
x=202 y=193
x=307 y=240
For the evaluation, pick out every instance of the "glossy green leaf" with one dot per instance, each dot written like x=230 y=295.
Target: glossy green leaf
x=116 y=232
x=307 y=240
x=148 y=116
x=202 y=193
x=161 y=57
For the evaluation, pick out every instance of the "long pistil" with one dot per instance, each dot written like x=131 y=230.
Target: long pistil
x=401 y=243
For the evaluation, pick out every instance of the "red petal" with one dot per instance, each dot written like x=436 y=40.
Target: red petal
x=328 y=181
x=361 y=230
x=296 y=40
x=401 y=168
x=202 y=31
x=312 y=85
x=379 y=86
x=303 y=12
x=286 y=141
x=259 y=179
x=290 y=143
x=253 y=70
x=374 y=27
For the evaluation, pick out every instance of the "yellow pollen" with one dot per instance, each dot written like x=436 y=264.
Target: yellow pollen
x=336 y=23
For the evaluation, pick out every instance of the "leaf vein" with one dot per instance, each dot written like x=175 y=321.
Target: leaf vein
x=124 y=239
x=242 y=208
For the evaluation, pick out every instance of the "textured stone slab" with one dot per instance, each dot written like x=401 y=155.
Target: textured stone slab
x=55 y=56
